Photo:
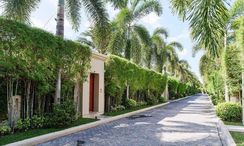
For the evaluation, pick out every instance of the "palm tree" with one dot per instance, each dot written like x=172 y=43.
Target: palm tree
x=182 y=70
x=157 y=43
x=20 y=10
x=93 y=39
x=128 y=38
x=159 y=51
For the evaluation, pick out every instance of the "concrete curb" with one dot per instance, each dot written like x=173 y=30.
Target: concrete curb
x=51 y=136
x=235 y=128
x=225 y=135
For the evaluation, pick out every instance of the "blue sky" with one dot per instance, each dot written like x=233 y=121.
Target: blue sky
x=44 y=17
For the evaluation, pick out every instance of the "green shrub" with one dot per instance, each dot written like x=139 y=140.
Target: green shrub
x=228 y=111
x=152 y=101
x=4 y=128
x=216 y=99
x=23 y=124
x=37 y=121
x=130 y=103
x=141 y=103
x=117 y=108
x=63 y=115
x=161 y=99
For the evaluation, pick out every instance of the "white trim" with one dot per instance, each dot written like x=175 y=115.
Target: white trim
x=99 y=56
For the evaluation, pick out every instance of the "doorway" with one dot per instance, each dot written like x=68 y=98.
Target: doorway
x=91 y=99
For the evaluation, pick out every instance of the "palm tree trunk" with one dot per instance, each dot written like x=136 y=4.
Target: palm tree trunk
x=60 y=19
x=227 y=99
x=59 y=32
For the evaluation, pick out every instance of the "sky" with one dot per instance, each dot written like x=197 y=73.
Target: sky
x=44 y=17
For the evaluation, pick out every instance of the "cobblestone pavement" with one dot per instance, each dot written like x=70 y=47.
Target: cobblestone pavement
x=189 y=122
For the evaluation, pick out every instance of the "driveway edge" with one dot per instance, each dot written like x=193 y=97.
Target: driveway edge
x=223 y=131
x=51 y=136
x=225 y=135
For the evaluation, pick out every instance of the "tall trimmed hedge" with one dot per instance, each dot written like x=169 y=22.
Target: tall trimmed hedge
x=144 y=84
x=178 y=89
x=29 y=60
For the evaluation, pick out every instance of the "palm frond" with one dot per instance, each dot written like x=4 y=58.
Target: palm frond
x=123 y=17
x=180 y=7
x=158 y=43
x=207 y=22
x=19 y=10
x=143 y=34
x=136 y=49
x=161 y=31
x=177 y=45
x=118 y=3
x=97 y=12
x=237 y=9
x=117 y=42
x=195 y=49
x=147 y=7
x=73 y=12
x=87 y=42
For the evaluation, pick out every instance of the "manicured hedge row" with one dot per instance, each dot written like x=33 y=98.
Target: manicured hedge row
x=178 y=89
x=31 y=56
x=144 y=84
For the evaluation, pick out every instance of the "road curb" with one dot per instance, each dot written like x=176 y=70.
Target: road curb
x=225 y=135
x=235 y=128
x=51 y=136
x=223 y=131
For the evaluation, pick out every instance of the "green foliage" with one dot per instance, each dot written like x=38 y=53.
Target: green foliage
x=130 y=103
x=34 y=53
x=233 y=69
x=207 y=20
x=121 y=72
x=128 y=38
x=4 y=128
x=161 y=99
x=23 y=124
x=151 y=100
x=216 y=99
x=30 y=123
x=37 y=121
x=63 y=114
x=117 y=108
x=31 y=55
x=178 y=89
x=228 y=111
x=141 y=103
x=172 y=87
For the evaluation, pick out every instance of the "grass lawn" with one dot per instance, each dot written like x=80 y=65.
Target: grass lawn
x=233 y=123
x=37 y=132
x=238 y=137
x=127 y=110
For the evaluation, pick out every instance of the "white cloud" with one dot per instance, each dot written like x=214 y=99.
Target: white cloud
x=183 y=53
x=152 y=19
x=111 y=11
x=185 y=34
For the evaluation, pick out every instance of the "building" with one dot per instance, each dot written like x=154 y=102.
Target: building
x=91 y=101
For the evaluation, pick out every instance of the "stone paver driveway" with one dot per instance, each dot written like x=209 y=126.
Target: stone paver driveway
x=189 y=122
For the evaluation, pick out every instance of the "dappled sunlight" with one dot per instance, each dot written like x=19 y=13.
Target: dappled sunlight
x=181 y=136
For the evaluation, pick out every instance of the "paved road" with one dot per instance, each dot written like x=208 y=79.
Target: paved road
x=189 y=122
